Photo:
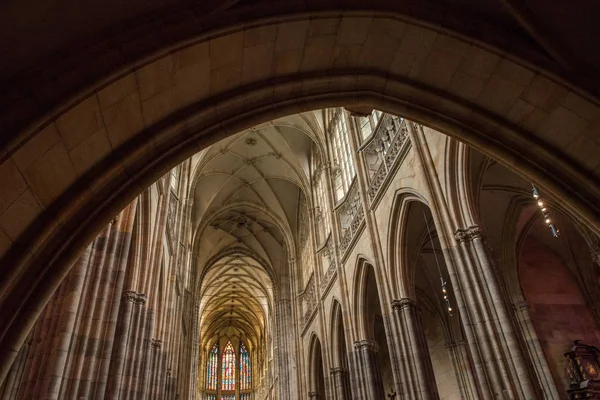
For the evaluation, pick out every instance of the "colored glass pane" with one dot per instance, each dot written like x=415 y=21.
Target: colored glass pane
x=228 y=369
x=211 y=368
x=246 y=396
x=245 y=371
x=211 y=397
x=228 y=397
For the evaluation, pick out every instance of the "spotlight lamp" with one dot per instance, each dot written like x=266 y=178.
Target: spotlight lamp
x=446 y=299
x=545 y=213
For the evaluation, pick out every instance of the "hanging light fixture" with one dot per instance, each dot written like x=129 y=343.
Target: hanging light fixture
x=444 y=291
x=545 y=212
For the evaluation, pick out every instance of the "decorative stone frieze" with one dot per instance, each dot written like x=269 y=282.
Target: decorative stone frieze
x=310 y=301
x=387 y=128
x=351 y=214
x=337 y=371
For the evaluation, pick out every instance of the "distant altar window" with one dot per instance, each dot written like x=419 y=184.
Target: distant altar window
x=229 y=372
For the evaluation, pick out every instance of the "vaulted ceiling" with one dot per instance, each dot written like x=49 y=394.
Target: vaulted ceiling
x=244 y=215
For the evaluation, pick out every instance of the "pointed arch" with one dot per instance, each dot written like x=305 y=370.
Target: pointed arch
x=398 y=267
x=212 y=364
x=316 y=377
x=228 y=360
x=245 y=368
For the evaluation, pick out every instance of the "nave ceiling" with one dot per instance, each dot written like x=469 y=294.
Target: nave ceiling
x=245 y=216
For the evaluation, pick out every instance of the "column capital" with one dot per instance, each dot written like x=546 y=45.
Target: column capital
x=156 y=343
x=521 y=305
x=129 y=296
x=337 y=370
x=455 y=344
x=313 y=395
x=141 y=299
x=366 y=343
x=469 y=234
x=403 y=303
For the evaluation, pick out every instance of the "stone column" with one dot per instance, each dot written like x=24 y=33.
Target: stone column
x=366 y=352
x=459 y=356
x=286 y=360
x=535 y=351
x=339 y=381
x=417 y=380
x=498 y=362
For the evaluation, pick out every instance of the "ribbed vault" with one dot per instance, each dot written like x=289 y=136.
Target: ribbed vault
x=244 y=214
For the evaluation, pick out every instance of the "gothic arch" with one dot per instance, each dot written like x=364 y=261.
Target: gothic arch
x=338 y=347
x=60 y=216
x=360 y=327
x=400 y=270
x=316 y=382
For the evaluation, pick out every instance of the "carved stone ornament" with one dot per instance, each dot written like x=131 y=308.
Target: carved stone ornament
x=368 y=344
x=141 y=299
x=401 y=304
x=337 y=371
x=469 y=234
x=156 y=343
x=129 y=296
x=521 y=305
x=583 y=371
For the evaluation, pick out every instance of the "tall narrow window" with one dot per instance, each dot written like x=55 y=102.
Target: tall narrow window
x=228 y=397
x=246 y=396
x=211 y=397
x=245 y=372
x=228 y=368
x=211 y=368
x=344 y=172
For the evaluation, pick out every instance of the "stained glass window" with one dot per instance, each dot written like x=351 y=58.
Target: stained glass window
x=245 y=372
x=228 y=369
x=211 y=397
x=246 y=396
x=211 y=368
x=228 y=397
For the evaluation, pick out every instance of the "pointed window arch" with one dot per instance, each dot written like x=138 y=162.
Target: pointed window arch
x=245 y=370
x=228 y=368
x=211 y=368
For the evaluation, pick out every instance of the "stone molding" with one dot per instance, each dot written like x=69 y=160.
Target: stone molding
x=156 y=344
x=368 y=344
x=398 y=305
x=337 y=370
x=313 y=395
x=129 y=296
x=469 y=234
